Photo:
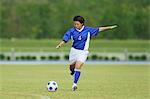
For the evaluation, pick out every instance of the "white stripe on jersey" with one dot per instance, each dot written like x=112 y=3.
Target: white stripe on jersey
x=72 y=40
x=87 y=42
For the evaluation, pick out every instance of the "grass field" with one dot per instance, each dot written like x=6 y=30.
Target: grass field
x=96 y=82
x=27 y=45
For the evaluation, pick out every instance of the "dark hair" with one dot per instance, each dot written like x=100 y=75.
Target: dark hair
x=79 y=18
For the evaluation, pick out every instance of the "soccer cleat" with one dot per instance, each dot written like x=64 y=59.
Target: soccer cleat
x=74 y=87
x=72 y=72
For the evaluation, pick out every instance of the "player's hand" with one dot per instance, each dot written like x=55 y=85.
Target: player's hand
x=58 y=46
x=114 y=26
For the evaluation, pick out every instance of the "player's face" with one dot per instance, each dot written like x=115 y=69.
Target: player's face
x=78 y=25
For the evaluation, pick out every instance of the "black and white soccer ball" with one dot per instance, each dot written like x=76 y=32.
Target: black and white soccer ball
x=52 y=86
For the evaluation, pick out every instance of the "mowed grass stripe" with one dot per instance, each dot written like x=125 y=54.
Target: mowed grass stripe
x=96 y=82
x=26 y=45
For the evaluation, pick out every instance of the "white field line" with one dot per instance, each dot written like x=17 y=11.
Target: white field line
x=66 y=62
x=25 y=95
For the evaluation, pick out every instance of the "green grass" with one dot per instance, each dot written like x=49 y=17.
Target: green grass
x=26 y=45
x=96 y=82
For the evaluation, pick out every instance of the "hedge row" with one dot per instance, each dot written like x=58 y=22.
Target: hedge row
x=3 y=57
x=137 y=57
x=96 y=57
x=28 y=57
x=66 y=57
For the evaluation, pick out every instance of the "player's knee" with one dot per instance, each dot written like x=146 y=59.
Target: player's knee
x=78 y=66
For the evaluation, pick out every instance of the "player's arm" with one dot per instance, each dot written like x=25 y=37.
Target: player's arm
x=60 y=44
x=66 y=38
x=107 y=27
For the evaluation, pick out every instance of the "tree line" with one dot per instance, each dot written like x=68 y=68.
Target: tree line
x=52 y=18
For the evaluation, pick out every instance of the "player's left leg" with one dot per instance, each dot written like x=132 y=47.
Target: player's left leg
x=78 y=66
x=72 y=59
x=72 y=67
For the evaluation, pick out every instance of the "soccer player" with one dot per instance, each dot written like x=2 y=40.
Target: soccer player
x=80 y=35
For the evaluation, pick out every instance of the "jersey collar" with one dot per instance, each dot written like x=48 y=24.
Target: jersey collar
x=80 y=29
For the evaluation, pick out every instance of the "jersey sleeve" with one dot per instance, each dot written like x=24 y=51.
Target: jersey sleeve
x=67 y=36
x=94 y=31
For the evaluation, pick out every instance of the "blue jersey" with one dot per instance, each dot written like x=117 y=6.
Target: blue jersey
x=80 y=38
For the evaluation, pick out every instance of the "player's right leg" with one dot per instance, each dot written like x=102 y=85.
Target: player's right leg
x=78 y=66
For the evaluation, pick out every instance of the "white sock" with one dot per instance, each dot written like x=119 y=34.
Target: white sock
x=74 y=84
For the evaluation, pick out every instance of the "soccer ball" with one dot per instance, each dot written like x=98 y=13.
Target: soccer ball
x=52 y=86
